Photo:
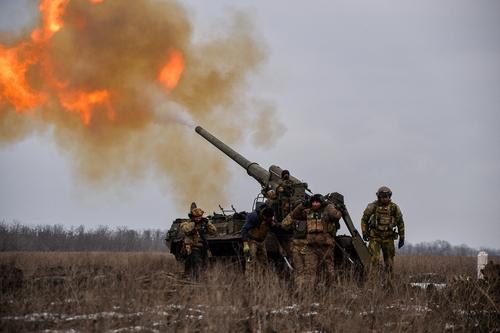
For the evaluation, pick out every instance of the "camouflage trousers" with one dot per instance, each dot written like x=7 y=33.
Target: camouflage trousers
x=311 y=262
x=388 y=251
x=258 y=257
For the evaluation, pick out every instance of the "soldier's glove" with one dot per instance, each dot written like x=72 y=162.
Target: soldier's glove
x=246 y=249
x=246 y=252
x=366 y=238
x=401 y=242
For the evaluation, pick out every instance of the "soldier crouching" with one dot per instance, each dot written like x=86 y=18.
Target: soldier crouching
x=314 y=224
x=253 y=234
x=195 y=243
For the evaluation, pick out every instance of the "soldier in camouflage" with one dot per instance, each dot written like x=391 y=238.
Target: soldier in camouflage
x=195 y=244
x=254 y=233
x=272 y=201
x=314 y=224
x=284 y=192
x=381 y=224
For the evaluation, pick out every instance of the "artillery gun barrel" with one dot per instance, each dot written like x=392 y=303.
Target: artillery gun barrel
x=253 y=169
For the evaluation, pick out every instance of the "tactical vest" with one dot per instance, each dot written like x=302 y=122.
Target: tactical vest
x=193 y=239
x=315 y=223
x=383 y=221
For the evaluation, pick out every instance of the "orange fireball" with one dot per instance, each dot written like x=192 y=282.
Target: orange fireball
x=171 y=73
x=85 y=101
x=14 y=87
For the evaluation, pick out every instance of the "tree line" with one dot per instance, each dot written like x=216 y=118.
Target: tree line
x=443 y=248
x=16 y=236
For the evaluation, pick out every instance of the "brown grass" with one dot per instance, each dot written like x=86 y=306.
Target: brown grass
x=125 y=292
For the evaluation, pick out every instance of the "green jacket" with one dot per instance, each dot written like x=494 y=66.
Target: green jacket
x=379 y=221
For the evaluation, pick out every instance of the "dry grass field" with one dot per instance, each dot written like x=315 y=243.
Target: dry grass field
x=144 y=292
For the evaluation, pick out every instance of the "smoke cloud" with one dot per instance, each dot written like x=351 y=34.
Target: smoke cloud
x=90 y=73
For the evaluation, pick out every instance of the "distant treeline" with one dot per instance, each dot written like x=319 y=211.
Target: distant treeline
x=18 y=237
x=443 y=248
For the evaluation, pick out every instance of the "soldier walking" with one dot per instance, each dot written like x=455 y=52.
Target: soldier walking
x=381 y=224
x=195 y=243
x=254 y=232
x=314 y=224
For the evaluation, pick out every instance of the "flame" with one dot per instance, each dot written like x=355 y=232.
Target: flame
x=14 y=88
x=83 y=103
x=16 y=61
x=171 y=73
x=52 y=12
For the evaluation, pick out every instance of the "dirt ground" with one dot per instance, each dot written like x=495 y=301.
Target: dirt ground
x=145 y=292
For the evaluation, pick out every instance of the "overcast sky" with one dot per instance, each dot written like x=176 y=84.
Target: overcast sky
x=398 y=93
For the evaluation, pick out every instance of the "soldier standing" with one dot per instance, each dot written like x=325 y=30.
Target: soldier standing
x=284 y=192
x=254 y=233
x=314 y=223
x=195 y=243
x=380 y=220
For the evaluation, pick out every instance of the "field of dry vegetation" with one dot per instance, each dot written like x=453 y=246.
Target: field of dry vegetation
x=144 y=292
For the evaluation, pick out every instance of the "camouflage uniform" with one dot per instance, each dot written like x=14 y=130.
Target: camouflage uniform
x=253 y=234
x=313 y=242
x=273 y=202
x=282 y=237
x=195 y=246
x=378 y=225
x=284 y=192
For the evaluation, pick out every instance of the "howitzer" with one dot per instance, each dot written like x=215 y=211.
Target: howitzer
x=272 y=179
x=269 y=180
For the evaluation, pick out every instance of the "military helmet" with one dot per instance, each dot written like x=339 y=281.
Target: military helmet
x=267 y=212
x=285 y=172
x=317 y=197
x=384 y=191
x=197 y=212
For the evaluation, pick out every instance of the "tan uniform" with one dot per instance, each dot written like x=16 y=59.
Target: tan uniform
x=313 y=242
x=194 y=246
x=285 y=200
x=258 y=255
x=254 y=233
x=191 y=230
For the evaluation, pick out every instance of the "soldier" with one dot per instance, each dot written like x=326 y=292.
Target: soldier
x=285 y=187
x=315 y=224
x=378 y=225
x=271 y=199
x=253 y=234
x=195 y=243
x=285 y=175
x=284 y=193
